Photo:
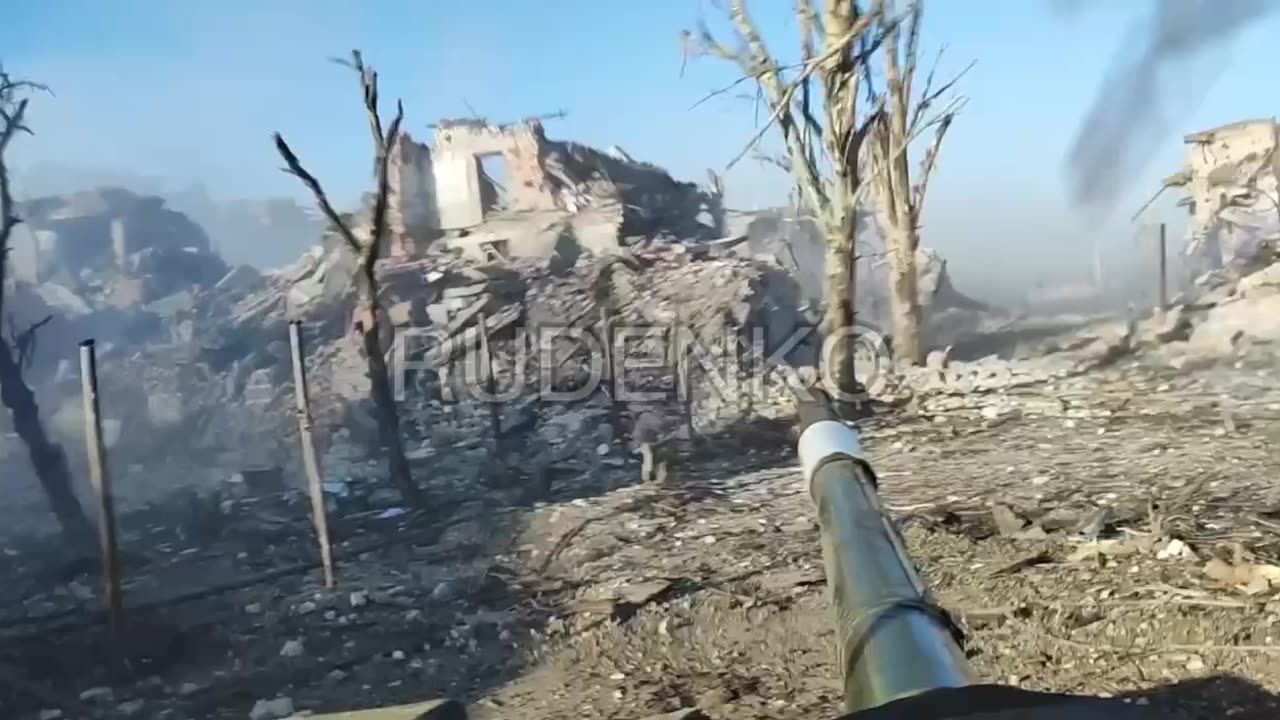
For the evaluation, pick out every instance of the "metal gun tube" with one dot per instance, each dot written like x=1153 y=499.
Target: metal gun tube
x=893 y=642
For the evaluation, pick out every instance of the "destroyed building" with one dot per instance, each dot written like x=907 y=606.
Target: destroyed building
x=87 y=237
x=550 y=194
x=1231 y=193
x=194 y=356
x=107 y=264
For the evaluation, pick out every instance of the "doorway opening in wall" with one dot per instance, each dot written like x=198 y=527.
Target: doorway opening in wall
x=493 y=182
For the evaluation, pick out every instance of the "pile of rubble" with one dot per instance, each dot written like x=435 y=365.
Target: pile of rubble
x=194 y=357
x=522 y=282
x=1224 y=321
x=208 y=393
x=107 y=264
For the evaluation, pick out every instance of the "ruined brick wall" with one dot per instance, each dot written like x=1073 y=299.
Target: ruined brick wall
x=521 y=145
x=413 y=216
x=547 y=175
x=653 y=202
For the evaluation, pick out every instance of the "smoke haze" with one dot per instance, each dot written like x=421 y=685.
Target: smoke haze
x=1153 y=70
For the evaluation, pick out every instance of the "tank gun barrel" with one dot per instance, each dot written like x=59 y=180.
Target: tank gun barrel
x=893 y=642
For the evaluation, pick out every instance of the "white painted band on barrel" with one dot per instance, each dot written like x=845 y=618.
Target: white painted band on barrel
x=824 y=439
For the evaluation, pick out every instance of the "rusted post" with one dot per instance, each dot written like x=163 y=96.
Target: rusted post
x=100 y=478
x=309 y=462
x=684 y=383
x=609 y=379
x=1164 y=270
x=489 y=383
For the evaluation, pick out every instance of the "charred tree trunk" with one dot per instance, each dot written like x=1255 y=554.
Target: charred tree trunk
x=384 y=401
x=368 y=325
x=47 y=458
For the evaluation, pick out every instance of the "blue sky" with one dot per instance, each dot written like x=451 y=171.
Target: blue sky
x=191 y=91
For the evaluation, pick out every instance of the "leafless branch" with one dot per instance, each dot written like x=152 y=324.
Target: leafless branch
x=927 y=164
x=369 y=87
x=8 y=218
x=928 y=97
x=864 y=129
x=928 y=81
x=756 y=62
x=809 y=24
x=912 y=51
x=13 y=112
x=774 y=160
x=947 y=113
x=24 y=343
x=294 y=167
x=721 y=91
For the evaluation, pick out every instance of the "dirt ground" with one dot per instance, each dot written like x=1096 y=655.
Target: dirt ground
x=707 y=592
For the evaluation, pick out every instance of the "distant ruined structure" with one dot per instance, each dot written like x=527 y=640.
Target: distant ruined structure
x=1230 y=186
x=442 y=189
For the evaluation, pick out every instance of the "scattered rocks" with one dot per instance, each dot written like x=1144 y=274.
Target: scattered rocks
x=131 y=707
x=1008 y=523
x=273 y=709
x=685 y=714
x=97 y=695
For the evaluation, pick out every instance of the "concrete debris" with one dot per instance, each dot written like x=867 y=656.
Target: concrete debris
x=107 y=264
x=1230 y=187
x=1175 y=550
x=1248 y=578
x=97 y=695
x=130 y=708
x=194 y=354
x=429 y=710
x=1226 y=322
x=274 y=709
x=685 y=714
x=1007 y=522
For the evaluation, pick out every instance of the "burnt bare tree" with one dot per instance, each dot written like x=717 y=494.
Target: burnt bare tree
x=898 y=194
x=823 y=110
x=47 y=457
x=366 y=325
